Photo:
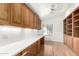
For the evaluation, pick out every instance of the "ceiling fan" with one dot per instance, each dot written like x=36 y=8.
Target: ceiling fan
x=53 y=8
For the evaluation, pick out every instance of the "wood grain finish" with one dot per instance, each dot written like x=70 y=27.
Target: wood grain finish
x=76 y=45
x=18 y=14
x=69 y=40
x=4 y=14
x=31 y=50
x=71 y=30
x=55 y=49
x=4 y=11
x=65 y=38
x=42 y=41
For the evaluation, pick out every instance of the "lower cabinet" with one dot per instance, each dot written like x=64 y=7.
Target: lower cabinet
x=68 y=40
x=65 y=39
x=4 y=22
x=32 y=50
x=76 y=45
x=42 y=41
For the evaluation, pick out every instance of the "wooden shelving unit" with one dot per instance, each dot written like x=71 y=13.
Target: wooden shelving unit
x=71 y=36
x=69 y=25
x=76 y=23
x=65 y=26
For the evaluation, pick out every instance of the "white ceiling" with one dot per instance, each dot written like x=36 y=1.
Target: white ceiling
x=44 y=9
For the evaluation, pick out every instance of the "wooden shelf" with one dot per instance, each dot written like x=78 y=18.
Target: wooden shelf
x=76 y=26
x=72 y=29
x=69 y=24
x=76 y=20
x=69 y=19
x=65 y=26
x=76 y=15
x=76 y=11
x=69 y=29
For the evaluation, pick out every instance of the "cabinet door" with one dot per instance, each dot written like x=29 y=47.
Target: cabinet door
x=25 y=15
x=76 y=45
x=31 y=20
x=65 y=39
x=31 y=50
x=17 y=14
x=39 y=24
x=36 y=22
x=4 y=13
x=69 y=41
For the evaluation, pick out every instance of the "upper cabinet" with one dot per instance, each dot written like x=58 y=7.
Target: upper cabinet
x=18 y=14
x=4 y=13
x=25 y=15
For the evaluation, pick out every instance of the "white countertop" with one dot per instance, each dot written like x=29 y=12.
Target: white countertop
x=15 y=47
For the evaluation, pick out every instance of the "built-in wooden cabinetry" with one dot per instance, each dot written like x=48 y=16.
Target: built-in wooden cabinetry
x=4 y=13
x=71 y=30
x=18 y=14
x=33 y=49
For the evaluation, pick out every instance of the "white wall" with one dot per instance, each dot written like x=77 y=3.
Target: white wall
x=57 y=22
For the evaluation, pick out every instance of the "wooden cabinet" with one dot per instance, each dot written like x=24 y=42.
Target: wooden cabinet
x=42 y=41
x=65 y=39
x=71 y=29
x=25 y=15
x=33 y=49
x=4 y=13
x=31 y=19
x=76 y=45
x=34 y=22
x=69 y=41
x=17 y=14
x=39 y=24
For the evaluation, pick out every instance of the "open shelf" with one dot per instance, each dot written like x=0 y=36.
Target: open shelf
x=76 y=15
x=68 y=25
x=76 y=11
x=69 y=33
x=71 y=23
x=76 y=24
x=76 y=32
x=69 y=20
x=65 y=26
x=76 y=20
x=71 y=38
x=70 y=16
